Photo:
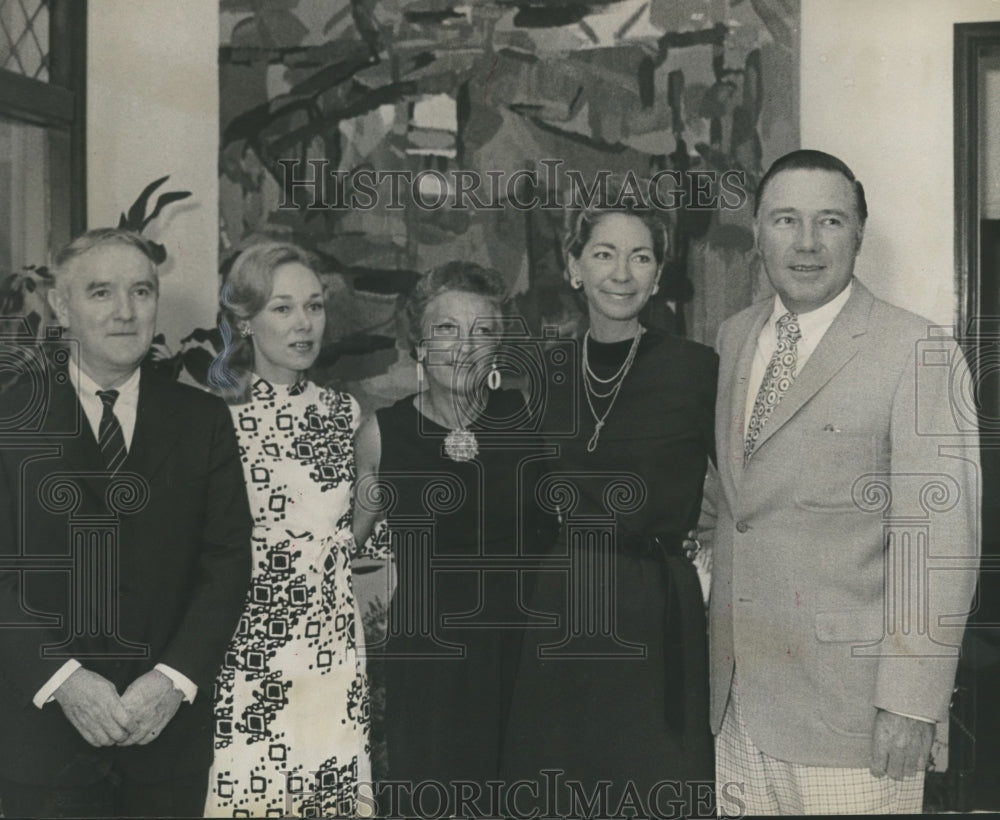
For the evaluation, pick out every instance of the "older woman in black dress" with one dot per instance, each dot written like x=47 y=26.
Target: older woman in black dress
x=617 y=693
x=448 y=462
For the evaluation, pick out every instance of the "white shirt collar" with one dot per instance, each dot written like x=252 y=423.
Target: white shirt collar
x=126 y=407
x=128 y=391
x=813 y=326
x=816 y=322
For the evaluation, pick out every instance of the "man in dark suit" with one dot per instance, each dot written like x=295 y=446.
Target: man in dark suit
x=847 y=533
x=124 y=558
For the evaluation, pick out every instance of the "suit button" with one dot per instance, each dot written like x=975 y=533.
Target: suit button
x=742 y=526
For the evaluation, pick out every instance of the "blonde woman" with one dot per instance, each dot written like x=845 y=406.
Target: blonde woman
x=291 y=710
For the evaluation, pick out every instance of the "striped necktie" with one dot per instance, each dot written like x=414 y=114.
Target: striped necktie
x=110 y=437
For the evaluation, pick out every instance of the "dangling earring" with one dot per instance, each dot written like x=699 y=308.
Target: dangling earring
x=493 y=379
x=420 y=369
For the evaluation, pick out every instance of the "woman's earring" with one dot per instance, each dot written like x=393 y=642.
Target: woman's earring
x=575 y=283
x=245 y=330
x=420 y=368
x=493 y=379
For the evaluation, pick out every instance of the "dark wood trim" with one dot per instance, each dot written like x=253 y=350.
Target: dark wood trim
x=966 y=118
x=969 y=40
x=68 y=69
x=969 y=780
x=33 y=101
x=61 y=103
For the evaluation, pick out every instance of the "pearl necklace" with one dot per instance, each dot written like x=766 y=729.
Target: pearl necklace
x=618 y=379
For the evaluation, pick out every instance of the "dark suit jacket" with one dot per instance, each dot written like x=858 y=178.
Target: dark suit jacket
x=181 y=570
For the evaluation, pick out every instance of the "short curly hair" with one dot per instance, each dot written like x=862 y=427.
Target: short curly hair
x=464 y=277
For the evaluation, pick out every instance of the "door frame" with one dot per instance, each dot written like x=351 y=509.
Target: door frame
x=970 y=40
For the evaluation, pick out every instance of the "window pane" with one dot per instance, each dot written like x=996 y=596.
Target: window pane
x=33 y=163
x=24 y=37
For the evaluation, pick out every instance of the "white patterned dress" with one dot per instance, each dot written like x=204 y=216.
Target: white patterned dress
x=291 y=701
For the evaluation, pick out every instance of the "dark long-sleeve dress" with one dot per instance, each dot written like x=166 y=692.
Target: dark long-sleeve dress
x=618 y=690
x=448 y=661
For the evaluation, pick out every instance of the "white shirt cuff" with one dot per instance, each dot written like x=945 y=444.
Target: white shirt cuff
x=912 y=717
x=703 y=566
x=182 y=683
x=48 y=691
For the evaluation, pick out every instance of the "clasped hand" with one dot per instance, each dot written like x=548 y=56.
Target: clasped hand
x=91 y=703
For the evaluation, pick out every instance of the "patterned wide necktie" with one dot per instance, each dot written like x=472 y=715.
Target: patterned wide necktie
x=777 y=379
x=110 y=437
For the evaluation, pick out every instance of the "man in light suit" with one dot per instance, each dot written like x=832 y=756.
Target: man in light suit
x=124 y=558
x=834 y=635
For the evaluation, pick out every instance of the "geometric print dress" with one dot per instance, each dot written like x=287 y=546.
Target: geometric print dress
x=291 y=701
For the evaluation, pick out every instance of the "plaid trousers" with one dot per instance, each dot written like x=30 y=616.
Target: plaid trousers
x=751 y=782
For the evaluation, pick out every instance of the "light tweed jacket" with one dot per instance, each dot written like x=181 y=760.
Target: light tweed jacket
x=845 y=552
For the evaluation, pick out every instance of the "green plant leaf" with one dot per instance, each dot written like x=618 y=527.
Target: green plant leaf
x=196 y=361
x=200 y=335
x=136 y=214
x=162 y=202
x=34 y=320
x=159 y=253
x=11 y=296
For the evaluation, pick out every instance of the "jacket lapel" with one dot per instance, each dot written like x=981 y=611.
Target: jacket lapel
x=839 y=345
x=66 y=427
x=157 y=427
x=738 y=387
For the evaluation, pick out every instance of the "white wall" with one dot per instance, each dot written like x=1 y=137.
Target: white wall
x=877 y=92
x=989 y=144
x=153 y=110
x=876 y=89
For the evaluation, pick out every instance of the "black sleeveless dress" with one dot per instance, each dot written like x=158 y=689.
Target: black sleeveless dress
x=453 y=623
x=613 y=701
